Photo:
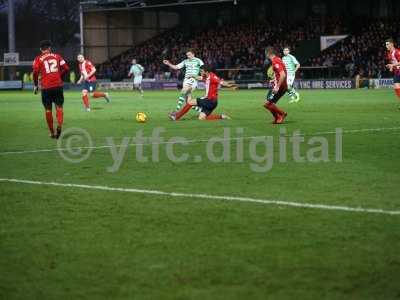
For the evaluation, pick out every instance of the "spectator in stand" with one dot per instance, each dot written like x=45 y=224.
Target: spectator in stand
x=239 y=45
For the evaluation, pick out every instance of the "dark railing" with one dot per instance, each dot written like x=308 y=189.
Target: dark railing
x=260 y=74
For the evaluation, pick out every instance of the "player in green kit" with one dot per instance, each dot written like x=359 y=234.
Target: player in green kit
x=292 y=65
x=137 y=71
x=192 y=66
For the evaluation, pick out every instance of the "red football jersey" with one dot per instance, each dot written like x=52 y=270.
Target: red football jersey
x=278 y=66
x=86 y=68
x=394 y=58
x=51 y=67
x=212 y=85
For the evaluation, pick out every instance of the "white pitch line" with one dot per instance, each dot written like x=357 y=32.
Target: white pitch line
x=209 y=197
x=190 y=141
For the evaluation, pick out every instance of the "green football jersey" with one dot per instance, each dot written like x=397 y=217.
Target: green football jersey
x=192 y=67
x=290 y=63
x=136 y=70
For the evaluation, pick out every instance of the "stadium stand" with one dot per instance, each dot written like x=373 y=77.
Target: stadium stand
x=236 y=46
x=362 y=53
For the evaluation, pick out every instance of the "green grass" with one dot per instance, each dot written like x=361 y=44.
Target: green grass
x=72 y=243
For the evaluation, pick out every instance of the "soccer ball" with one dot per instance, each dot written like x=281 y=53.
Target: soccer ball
x=141 y=117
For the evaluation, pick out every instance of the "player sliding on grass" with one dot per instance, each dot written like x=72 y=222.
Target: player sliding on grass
x=279 y=87
x=136 y=70
x=51 y=67
x=292 y=65
x=192 y=66
x=88 y=70
x=393 y=57
x=208 y=103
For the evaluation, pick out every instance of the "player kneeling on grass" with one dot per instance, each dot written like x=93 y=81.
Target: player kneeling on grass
x=88 y=71
x=51 y=67
x=279 y=86
x=137 y=71
x=208 y=103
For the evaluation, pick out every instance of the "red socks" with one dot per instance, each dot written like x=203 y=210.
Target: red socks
x=60 y=116
x=49 y=120
x=187 y=107
x=214 y=117
x=273 y=109
x=98 y=94
x=183 y=111
x=397 y=91
x=267 y=108
x=85 y=100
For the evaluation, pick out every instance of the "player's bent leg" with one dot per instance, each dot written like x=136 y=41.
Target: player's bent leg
x=202 y=116
x=176 y=116
x=60 y=120
x=97 y=94
x=397 y=91
x=49 y=120
x=197 y=109
x=85 y=99
x=267 y=105
x=279 y=115
x=214 y=117
x=272 y=99
x=294 y=96
x=59 y=102
x=192 y=101
x=139 y=87
x=48 y=106
x=291 y=94
x=185 y=92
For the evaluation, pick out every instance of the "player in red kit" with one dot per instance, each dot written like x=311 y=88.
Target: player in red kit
x=393 y=57
x=50 y=67
x=279 y=88
x=208 y=103
x=88 y=72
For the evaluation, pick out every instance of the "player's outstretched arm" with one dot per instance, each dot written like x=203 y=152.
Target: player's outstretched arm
x=169 y=64
x=200 y=78
x=227 y=84
x=391 y=66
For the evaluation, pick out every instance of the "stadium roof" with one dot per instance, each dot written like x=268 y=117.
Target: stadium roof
x=141 y=4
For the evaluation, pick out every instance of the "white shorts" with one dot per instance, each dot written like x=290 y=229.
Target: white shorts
x=190 y=82
x=290 y=79
x=137 y=80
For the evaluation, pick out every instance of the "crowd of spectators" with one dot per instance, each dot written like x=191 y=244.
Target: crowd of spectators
x=241 y=46
x=224 y=46
x=362 y=53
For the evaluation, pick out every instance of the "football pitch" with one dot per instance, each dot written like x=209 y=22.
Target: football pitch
x=208 y=209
